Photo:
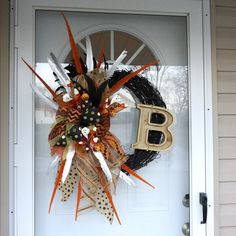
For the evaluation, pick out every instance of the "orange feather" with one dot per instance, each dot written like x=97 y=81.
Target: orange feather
x=124 y=80
x=100 y=57
x=74 y=48
x=43 y=82
x=78 y=200
x=126 y=168
x=58 y=179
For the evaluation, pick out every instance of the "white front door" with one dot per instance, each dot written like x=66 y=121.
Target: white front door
x=171 y=34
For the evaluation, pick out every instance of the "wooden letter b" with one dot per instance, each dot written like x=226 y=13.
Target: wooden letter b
x=146 y=126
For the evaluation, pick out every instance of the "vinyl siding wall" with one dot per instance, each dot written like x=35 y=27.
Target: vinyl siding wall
x=225 y=23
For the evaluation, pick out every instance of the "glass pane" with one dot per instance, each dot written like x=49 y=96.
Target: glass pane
x=143 y=211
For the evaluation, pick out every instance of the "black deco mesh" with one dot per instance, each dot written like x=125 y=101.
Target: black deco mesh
x=143 y=92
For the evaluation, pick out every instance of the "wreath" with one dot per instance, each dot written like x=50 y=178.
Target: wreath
x=88 y=154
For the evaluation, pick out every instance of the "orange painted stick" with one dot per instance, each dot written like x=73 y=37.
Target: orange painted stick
x=126 y=168
x=100 y=57
x=112 y=204
x=78 y=200
x=124 y=80
x=43 y=82
x=74 y=49
x=58 y=179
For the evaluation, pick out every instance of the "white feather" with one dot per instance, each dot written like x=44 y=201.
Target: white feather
x=46 y=99
x=60 y=72
x=60 y=69
x=89 y=56
x=126 y=178
x=104 y=166
x=69 y=158
x=116 y=63
x=54 y=162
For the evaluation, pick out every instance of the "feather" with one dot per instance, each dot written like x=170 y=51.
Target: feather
x=54 y=162
x=47 y=100
x=72 y=70
x=74 y=49
x=113 y=205
x=58 y=179
x=126 y=168
x=59 y=89
x=42 y=81
x=95 y=93
x=100 y=92
x=91 y=86
x=89 y=52
x=61 y=74
x=104 y=166
x=116 y=63
x=78 y=200
x=126 y=178
x=124 y=80
x=69 y=157
x=94 y=63
x=100 y=58
x=106 y=66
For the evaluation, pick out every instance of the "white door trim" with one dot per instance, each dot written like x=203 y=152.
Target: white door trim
x=18 y=152
x=210 y=229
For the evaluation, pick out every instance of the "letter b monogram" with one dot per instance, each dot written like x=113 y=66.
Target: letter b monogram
x=146 y=126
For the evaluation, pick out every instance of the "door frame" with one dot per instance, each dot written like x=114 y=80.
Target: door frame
x=18 y=49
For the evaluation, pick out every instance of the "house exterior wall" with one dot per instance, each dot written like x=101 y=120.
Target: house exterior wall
x=224 y=43
x=4 y=78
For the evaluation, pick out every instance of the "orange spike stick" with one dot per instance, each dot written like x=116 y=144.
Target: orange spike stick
x=43 y=82
x=124 y=80
x=100 y=58
x=78 y=200
x=58 y=179
x=126 y=168
x=74 y=48
x=112 y=204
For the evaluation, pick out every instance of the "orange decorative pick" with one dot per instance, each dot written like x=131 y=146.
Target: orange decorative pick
x=74 y=48
x=100 y=57
x=58 y=179
x=124 y=80
x=78 y=200
x=126 y=168
x=43 y=82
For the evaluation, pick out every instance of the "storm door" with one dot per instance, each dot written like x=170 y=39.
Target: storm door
x=178 y=174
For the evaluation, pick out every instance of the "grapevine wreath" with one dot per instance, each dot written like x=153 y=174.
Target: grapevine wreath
x=88 y=154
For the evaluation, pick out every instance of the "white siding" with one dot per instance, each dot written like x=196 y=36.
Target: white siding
x=226 y=93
